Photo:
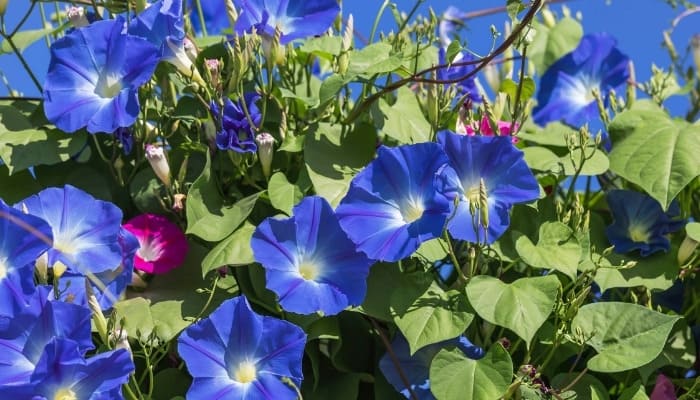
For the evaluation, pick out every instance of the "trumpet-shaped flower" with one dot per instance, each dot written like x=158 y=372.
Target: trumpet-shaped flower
x=107 y=286
x=159 y=21
x=94 y=75
x=639 y=223
x=23 y=238
x=62 y=372
x=235 y=128
x=163 y=245
x=417 y=366
x=295 y=19
x=488 y=176
x=455 y=73
x=85 y=230
x=238 y=354
x=393 y=205
x=34 y=322
x=566 y=88
x=309 y=261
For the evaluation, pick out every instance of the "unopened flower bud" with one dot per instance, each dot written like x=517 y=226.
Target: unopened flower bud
x=686 y=250
x=120 y=339
x=41 y=266
x=179 y=202
x=190 y=49
x=77 y=17
x=3 y=6
x=214 y=72
x=156 y=157
x=181 y=60
x=265 y=143
x=548 y=18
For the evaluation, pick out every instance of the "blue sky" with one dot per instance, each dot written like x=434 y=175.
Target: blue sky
x=637 y=24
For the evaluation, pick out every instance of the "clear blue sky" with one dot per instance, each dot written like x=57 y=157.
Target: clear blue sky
x=637 y=24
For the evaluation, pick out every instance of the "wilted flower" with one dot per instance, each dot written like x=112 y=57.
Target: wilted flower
x=309 y=261
x=77 y=17
x=639 y=223
x=94 y=75
x=417 y=366
x=296 y=20
x=163 y=245
x=238 y=354
x=488 y=175
x=566 y=88
x=156 y=157
x=393 y=205
x=235 y=126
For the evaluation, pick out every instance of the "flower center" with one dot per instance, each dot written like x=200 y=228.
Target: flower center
x=412 y=211
x=3 y=268
x=583 y=87
x=109 y=86
x=149 y=250
x=246 y=372
x=64 y=244
x=65 y=394
x=308 y=270
x=638 y=234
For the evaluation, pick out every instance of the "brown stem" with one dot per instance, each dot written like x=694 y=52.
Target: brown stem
x=393 y=357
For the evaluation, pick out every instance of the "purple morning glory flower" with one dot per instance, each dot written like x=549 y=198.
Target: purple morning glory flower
x=62 y=372
x=393 y=204
x=23 y=238
x=94 y=75
x=34 y=322
x=296 y=19
x=309 y=261
x=107 y=286
x=85 y=230
x=639 y=223
x=494 y=163
x=238 y=354
x=566 y=87
x=417 y=366
x=233 y=127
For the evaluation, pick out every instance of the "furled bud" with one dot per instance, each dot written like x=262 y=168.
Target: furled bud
x=686 y=250
x=548 y=18
x=213 y=72
x=77 y=17
x=179 y=202
x=120 y=340
x=159 y=163
x=695 y=47
x=265 y=143
x=182 y=62
x=231 y=13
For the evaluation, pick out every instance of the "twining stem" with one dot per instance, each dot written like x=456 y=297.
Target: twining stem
x=392 y=355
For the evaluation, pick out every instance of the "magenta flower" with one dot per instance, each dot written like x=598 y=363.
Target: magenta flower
x=163 y=245
x=485 y=129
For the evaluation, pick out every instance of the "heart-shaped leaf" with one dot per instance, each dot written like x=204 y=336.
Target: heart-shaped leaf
x=557 y=249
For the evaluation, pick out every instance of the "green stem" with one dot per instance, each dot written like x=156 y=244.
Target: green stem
x=26 y=66
x=202 y=22
x=376 y=20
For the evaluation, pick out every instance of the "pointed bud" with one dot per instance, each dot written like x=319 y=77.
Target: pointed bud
x=483 y=204
x=156 y=157
x=182 y=61
x=548 y=18
x=214 y=72
x=231 y=13
x=632 y=86
x=120 y=340
x=265 y=143
x=41 y=268
x=668 y=43
x=77 y=17
x=97 y=316
x=141 y=5
x=686 y=250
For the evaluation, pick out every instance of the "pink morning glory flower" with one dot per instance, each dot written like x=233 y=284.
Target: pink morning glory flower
x=163 y=245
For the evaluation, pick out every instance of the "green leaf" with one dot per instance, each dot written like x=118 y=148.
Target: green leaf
x=453 y=376
x=404 y=120
x=31 y=147
x=323 y=46
x=383 y=278
x=333 y=156
x=24 y=39
x=543 y=159
x=692 y=229
x=653 y=151
x=557 y=249
x=452 y=50
x=331 y=86
x=679 y=352
x=509 y=87
x=549 y=45
x=522 y=306
x=426 y=314
x=235 y=250
x=634 y=392
x=587 y=387
x=377 y=58
x=207 y=215
x=283 y=195
x=171 y=382
x=308 y=101
x=554 y=134
x=655 y=272
x=626 y=336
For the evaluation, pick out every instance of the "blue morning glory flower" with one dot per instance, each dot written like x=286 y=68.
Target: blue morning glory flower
x=466 y=86
x=491 y=164
x=215 y=17
x=450 y=21
x=416 y=367
x=639 y=223
x=158 y=22
x=94 y=75
x=62 y=372
x=23 y=238
x=107 y=286
x=296 y=19
x=309 y=261
x=234 y=130
x=566 y=87
x=393 y=204
x=238 y=354
x=35 y=321
x=85 y=230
